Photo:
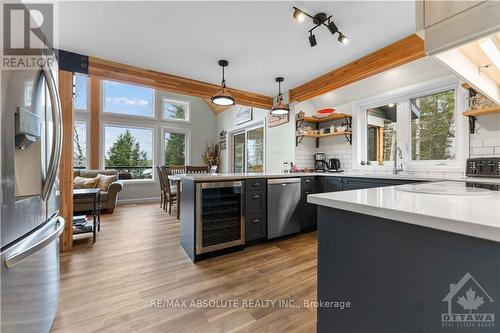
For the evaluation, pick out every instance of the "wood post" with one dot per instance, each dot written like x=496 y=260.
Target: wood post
x=66 y=166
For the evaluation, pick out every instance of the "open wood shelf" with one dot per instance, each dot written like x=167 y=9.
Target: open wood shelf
x=333 y=116
x=482 y=112
x=472 y=114
x=323 y=135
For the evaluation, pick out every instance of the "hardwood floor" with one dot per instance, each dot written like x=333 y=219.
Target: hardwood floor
x=110 y=286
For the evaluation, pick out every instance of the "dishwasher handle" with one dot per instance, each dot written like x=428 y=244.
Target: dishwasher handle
x=283 y=181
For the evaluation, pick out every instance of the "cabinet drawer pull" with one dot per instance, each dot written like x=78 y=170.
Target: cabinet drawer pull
x=256 y=184
x=256 y=196
x=256 y=221
x=307 y=181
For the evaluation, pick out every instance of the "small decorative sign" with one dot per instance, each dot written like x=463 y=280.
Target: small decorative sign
x=222 y=140
x=274 y=121
x=243 y=115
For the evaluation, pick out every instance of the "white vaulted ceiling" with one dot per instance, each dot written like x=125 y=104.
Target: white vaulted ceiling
x=260 y=39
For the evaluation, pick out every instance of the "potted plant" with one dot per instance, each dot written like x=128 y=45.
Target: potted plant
x=211 y=155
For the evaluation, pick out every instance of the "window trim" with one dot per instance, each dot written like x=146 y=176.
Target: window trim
x=174 y=129
x=401 y=98
x=124 y=115
x=161 y=97
x=122 y=124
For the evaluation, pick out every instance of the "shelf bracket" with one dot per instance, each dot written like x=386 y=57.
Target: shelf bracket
x=472 y=124
x=298 y=139
x=348 y=138
x=299 y=123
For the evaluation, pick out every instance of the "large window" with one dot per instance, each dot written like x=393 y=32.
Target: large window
x=129 y=150
x=175 y=110
x=128 y=99
x=433 y=126
x=80 y=144
x=175 y=148
x=422 y=124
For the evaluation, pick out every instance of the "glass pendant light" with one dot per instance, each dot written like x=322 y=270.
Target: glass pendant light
x=223 y=97
x=280 y=108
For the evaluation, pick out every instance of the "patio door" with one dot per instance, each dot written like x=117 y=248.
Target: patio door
x=248 y=150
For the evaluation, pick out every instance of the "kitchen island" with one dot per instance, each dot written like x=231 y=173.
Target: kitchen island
x=225 y=212
x=410 y=258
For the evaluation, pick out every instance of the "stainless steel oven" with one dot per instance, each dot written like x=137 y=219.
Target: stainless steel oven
x=220 y=222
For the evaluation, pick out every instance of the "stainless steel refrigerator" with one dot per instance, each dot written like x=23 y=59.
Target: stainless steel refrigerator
x=30 y=142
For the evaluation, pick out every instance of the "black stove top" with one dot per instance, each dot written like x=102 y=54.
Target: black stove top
x=487 y=186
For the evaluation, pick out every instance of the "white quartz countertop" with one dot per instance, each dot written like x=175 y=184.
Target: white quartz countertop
x=204 y=177
x=446 y=205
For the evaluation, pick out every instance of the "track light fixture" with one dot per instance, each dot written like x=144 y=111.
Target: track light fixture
x=312 y=39
x=319 y=20
x=223 y=97
x=280 y=108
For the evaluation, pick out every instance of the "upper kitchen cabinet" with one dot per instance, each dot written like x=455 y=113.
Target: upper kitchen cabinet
x=464 y=36
x=449 y=24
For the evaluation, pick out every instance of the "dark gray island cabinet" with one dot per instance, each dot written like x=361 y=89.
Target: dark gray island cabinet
x=405 y=277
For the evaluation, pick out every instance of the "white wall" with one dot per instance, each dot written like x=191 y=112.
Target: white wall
x=280 y=140
x=202 y=126
x=485 y=142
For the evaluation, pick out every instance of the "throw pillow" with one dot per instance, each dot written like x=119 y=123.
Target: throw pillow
x=82 y=182
x=105 y=181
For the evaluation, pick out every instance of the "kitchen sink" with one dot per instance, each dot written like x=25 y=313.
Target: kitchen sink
x=444 y=188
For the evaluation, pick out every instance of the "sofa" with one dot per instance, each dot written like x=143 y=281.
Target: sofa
x=108 y=198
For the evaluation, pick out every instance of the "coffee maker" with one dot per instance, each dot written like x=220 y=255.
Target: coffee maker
x=320 y=164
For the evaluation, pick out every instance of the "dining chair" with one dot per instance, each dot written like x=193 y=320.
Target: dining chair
x=170 y=191
x=197 y=169
x=176 y=169
x=159 y=171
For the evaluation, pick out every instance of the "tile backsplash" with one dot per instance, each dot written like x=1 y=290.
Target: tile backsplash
x=484 y=143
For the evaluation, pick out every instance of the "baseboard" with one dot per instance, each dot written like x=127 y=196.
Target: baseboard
x=138 y=201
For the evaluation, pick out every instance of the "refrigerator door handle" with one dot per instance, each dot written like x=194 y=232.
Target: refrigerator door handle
x=55 y=154
x=20 y=256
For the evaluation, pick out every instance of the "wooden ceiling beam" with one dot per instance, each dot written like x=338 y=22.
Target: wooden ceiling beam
x=396 y=54
x=109 y=70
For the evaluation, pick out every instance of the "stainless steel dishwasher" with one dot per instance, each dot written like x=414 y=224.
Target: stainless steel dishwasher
x=283 y=216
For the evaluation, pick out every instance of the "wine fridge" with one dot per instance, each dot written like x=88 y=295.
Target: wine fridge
x=219 y=216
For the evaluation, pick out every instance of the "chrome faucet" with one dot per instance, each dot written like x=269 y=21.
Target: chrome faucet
x=397 y=153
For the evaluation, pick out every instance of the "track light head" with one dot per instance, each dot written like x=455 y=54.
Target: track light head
x=332 y=27
x=298 y=15
x=343 y=38
x=312 y=40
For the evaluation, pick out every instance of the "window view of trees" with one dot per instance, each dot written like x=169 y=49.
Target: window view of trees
x=175 y=146
x=80 y=144
x=175 y=110
x=130 y=151
x=433 y=126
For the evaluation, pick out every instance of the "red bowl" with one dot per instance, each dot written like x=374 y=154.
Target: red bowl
x=325 y=111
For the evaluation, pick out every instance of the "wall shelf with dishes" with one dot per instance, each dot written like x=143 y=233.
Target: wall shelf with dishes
x=316 y=131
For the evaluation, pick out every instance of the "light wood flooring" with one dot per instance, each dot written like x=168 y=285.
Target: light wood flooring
x=109 y=286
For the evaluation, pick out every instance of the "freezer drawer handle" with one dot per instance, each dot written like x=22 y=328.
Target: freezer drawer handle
x=20 y=256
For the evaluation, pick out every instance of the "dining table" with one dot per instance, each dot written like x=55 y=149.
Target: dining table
x=176 y=179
